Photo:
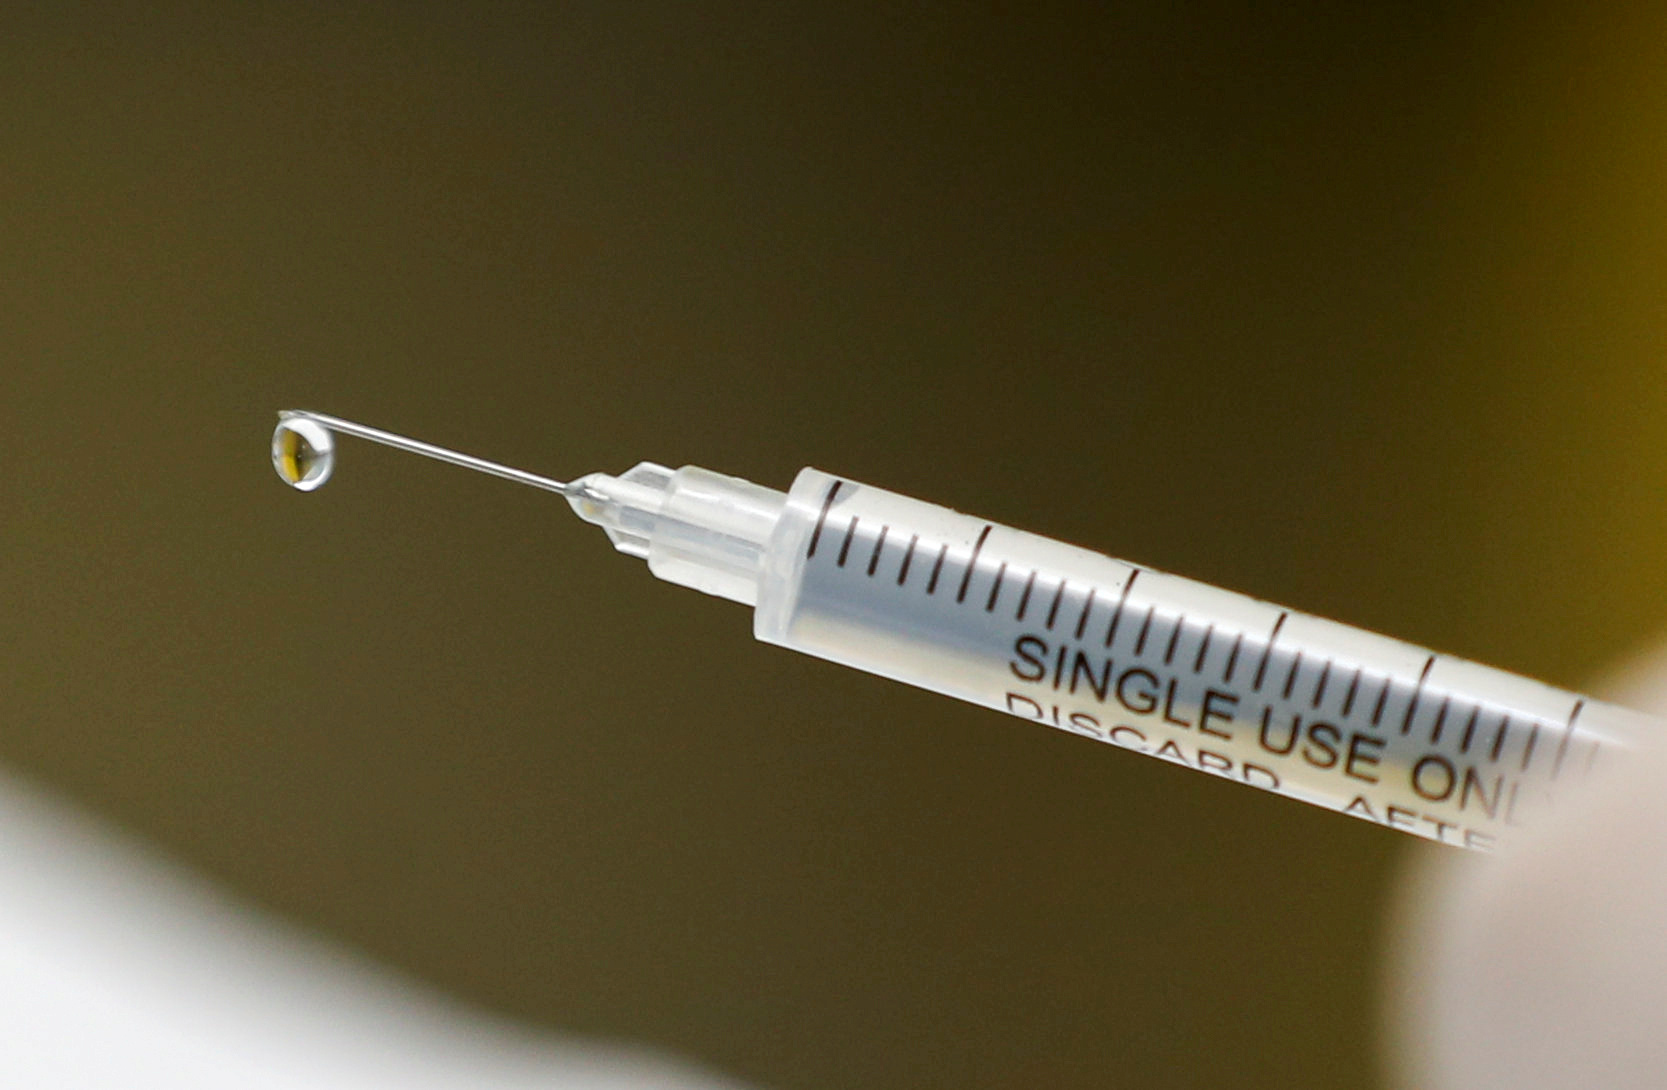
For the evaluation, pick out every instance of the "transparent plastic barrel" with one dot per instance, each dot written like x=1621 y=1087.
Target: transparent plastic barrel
x=1173 y=668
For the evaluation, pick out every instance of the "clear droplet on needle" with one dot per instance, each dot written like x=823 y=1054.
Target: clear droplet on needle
x=304 y=452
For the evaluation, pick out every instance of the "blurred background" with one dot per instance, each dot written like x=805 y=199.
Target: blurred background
x=1358 y=311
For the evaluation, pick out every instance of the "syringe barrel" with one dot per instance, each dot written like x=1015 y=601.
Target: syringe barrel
x=1171 y=667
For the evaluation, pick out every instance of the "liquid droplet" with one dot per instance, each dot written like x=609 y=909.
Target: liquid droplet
x=303 y=453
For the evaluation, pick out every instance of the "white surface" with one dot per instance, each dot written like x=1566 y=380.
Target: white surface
x=1545 y=966
x=118 y=971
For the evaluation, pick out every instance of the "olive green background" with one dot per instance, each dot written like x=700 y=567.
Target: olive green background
x=1363 y=313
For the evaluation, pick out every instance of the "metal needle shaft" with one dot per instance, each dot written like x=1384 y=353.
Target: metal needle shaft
x=428 y=450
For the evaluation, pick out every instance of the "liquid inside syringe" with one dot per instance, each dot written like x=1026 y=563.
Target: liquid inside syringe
x=1163 y=665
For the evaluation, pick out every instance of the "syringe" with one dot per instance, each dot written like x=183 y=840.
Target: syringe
x=1199 y=676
